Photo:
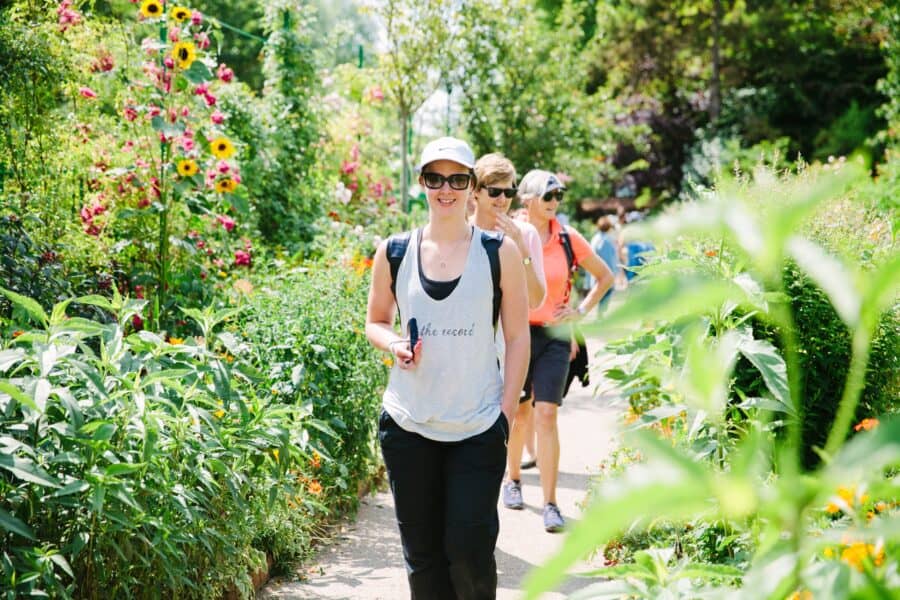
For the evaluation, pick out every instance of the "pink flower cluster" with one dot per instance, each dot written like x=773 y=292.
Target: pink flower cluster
x=203 y=90
x=242 y=257
x=88 y=213
x=226 y=222
x=67 y=16
x=224 y=73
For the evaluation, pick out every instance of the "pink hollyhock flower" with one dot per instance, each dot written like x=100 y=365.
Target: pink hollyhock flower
x=174 y=32
x=67 y=18
x=137 y=322
x=196 y=17
x=353 y=186
x=185 y=111
x=236 y=177
x=188 y=133
x=202 y=89
x=377 y=190
x=347 y=167
x=217 y=117
x=130 y=113
x=169 y=62
x=104 y=63
x=354 y=152
x=226 y=222
x=141 y=163
x=87 y=92
x=202 y=40
x=375 y=94
x=224 y=73
x=223 y=167
x=241 y=258
x=218 y=262
x=154 y=111
x=143 y=202
x=173 y=115
x=186 y=143
x=201 y=244
x=248 y=246
x=210 y=99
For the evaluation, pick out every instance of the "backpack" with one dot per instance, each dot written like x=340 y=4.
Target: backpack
x=396 y=250
x=570 y=258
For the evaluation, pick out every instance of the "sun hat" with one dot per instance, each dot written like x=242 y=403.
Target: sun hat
x=447 y=148
x=538 y=182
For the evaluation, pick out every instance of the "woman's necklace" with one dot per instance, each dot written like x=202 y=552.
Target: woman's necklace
x=442 y=261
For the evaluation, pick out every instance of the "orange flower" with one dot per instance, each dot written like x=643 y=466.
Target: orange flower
x=856 y=553
x=314 y=487
x=316 y=461
x=866 y=424
x=712 y=253
x=17 y=333
x=388 y=361
x=801 y=595
x=176 y=341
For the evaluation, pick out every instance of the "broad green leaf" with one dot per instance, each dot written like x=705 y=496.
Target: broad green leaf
x=9 y=358
x=58 y=314
x=668 y=298
x=14 y=525
x=673 y=486
x=27 y=470
x=166 y=376
x=123 y=468
x=615 y=589
x=18 y=395
x=830 y=275
x=33 y=309
x=708 y=571
x=764 y=356
x=72 y=488
x=868 y=451
x=95 y=300
x=62 y=563
x=197 y=72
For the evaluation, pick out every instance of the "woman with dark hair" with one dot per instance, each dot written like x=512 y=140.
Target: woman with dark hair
x=448 y=406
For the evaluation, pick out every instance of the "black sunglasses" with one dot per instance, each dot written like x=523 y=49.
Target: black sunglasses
x=457 y=181
x=495 y=192
x=554 y=195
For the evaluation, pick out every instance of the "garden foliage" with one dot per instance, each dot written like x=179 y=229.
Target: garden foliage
x=715 y=380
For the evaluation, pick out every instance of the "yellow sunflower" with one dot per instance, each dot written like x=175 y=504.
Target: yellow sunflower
x=226 y=186
x=151 y=9
x=221 y=148
x=187 y=167
x=180 y=13
x=184 y=54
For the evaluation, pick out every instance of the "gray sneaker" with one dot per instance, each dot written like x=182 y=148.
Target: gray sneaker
x=512 y=495
x=553 y=521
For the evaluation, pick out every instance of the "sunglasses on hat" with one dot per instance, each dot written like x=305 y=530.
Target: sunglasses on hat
x=495 y=192
x=457 y=181
x=554 y=195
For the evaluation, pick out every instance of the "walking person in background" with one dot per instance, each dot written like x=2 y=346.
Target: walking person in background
x=551 y=335
x=493 y=196
x=605 y=244
x=447 y=407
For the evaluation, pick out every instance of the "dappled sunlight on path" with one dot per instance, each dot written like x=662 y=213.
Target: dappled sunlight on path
x=365 y=561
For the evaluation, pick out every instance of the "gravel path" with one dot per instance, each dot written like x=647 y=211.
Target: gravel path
x=365 y=561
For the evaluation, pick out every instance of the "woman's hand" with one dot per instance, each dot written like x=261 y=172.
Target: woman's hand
x=509 y=229
x=404 y=357
x=565 y=314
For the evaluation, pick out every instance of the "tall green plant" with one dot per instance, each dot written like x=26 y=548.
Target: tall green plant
x=673 y=485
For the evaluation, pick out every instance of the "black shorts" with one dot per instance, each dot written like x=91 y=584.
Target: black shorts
x=549 y=364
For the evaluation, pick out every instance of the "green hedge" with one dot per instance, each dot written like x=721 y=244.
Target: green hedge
x=305 y=327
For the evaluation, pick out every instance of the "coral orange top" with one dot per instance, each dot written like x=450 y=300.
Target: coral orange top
x=556 y=272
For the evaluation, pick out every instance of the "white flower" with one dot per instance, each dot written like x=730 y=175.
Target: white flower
x=342 y=194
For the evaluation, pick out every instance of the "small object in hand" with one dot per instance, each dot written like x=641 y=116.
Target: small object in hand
x=413 y=327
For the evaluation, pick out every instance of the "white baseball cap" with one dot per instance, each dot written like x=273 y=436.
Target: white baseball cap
x=538 y=182
x=447 y=148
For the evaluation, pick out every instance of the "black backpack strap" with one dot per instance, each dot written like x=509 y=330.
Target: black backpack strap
x=491 y=241
x=570 y=257
x=396 y=250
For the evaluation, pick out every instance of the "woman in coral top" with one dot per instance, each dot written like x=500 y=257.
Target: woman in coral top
x=551 y=339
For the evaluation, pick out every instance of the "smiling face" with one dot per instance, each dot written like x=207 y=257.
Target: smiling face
x=540 y=210
x=487 y=206
x=445 y=199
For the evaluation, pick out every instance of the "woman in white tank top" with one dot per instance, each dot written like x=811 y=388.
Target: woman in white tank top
x=447 y=407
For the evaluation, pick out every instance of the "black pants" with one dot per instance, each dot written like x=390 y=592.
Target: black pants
x=445 y=495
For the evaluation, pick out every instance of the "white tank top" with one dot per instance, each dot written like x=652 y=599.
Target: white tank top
x=456 y=390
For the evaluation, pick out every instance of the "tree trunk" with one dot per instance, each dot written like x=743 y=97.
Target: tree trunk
x=404 y=178
x=715 y=92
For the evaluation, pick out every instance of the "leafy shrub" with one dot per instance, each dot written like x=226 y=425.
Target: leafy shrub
x=305 y=329
x=133 y=467
x=825 y=348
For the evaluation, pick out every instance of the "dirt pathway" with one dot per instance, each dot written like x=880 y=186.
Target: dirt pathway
x=365 y=562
